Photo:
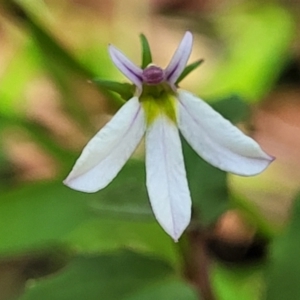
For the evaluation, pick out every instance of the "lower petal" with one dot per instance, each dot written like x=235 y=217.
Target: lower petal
x=107 y=152
x=166 y=178
x=216 y=140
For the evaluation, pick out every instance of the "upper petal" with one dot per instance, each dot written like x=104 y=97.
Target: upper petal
x=216 y=140
x=126 y=66
x=179 y=59
x=166 y=178
x=107 y=152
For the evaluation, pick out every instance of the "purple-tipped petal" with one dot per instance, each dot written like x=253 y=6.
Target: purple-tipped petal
x=166 y=178
x=126 y=66
x=216 y=140
x=179 y=59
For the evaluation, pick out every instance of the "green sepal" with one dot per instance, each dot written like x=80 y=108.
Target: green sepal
x=188 y=69
x=125 y=90
x=146 y=52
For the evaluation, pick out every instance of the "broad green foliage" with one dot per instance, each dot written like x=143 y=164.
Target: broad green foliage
x=237 y=283
x=233 y=108
x=283 y=271
x=38 y=216
x=120 y=275
x=258 y=40
x=104 y=234
x=167 y=290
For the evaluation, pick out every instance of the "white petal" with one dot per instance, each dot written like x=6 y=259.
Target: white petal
x=166 y=178
x=107 y=152
x=179 y=59
x=216 y=140
x=126 y=66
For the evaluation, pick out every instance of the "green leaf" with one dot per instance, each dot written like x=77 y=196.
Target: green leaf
x=38 y=216
x=42 y=215
x=146 y=52
x=126 y=196
x=233 y=108
x=107 y=233
x=258 y=40
x=63 y=66
x=208 y=186
x=18 y=73
x=188 y=69
x=125 y=90
x=39 y=135
x=236 y=283
x=123 y=217
x=167 y=290
x=114 y=276
x=54 y=51
x=254 y=216
x=283 y=272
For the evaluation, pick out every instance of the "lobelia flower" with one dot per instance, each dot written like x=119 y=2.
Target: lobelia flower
x=157 y=111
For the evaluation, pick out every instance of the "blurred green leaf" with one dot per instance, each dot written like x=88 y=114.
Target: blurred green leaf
x=167 y=290
x=37 y=216
x=7 y=171
x=258 y=37
x=123 y=216
x=283 y=272
x=55 y=53
x=126 y=196
x=237 y=283
x=18 y=72
x=188 y=69
x=146 y=52
x=64 y=67
x=233 y=108
x=108 y=233
x=254 y=216
x=39 y=135
x=208 y=186
x=120 y=275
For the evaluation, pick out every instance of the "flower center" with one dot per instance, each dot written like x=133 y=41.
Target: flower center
x=153 y=75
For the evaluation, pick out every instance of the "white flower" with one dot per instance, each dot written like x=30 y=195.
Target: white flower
x=158 y=110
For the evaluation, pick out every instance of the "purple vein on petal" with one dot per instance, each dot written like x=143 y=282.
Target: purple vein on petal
x=180 y=58
x=128 y=68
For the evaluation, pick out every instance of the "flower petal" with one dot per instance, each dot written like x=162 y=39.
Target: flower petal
x=166 y=178
x=126 y=66
x=107 y=152
x=179 y=59
x=216 y=140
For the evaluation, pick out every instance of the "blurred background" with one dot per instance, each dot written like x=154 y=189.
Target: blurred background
x=60 y=244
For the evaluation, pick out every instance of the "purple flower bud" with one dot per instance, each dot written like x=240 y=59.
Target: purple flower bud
x=153 y=75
